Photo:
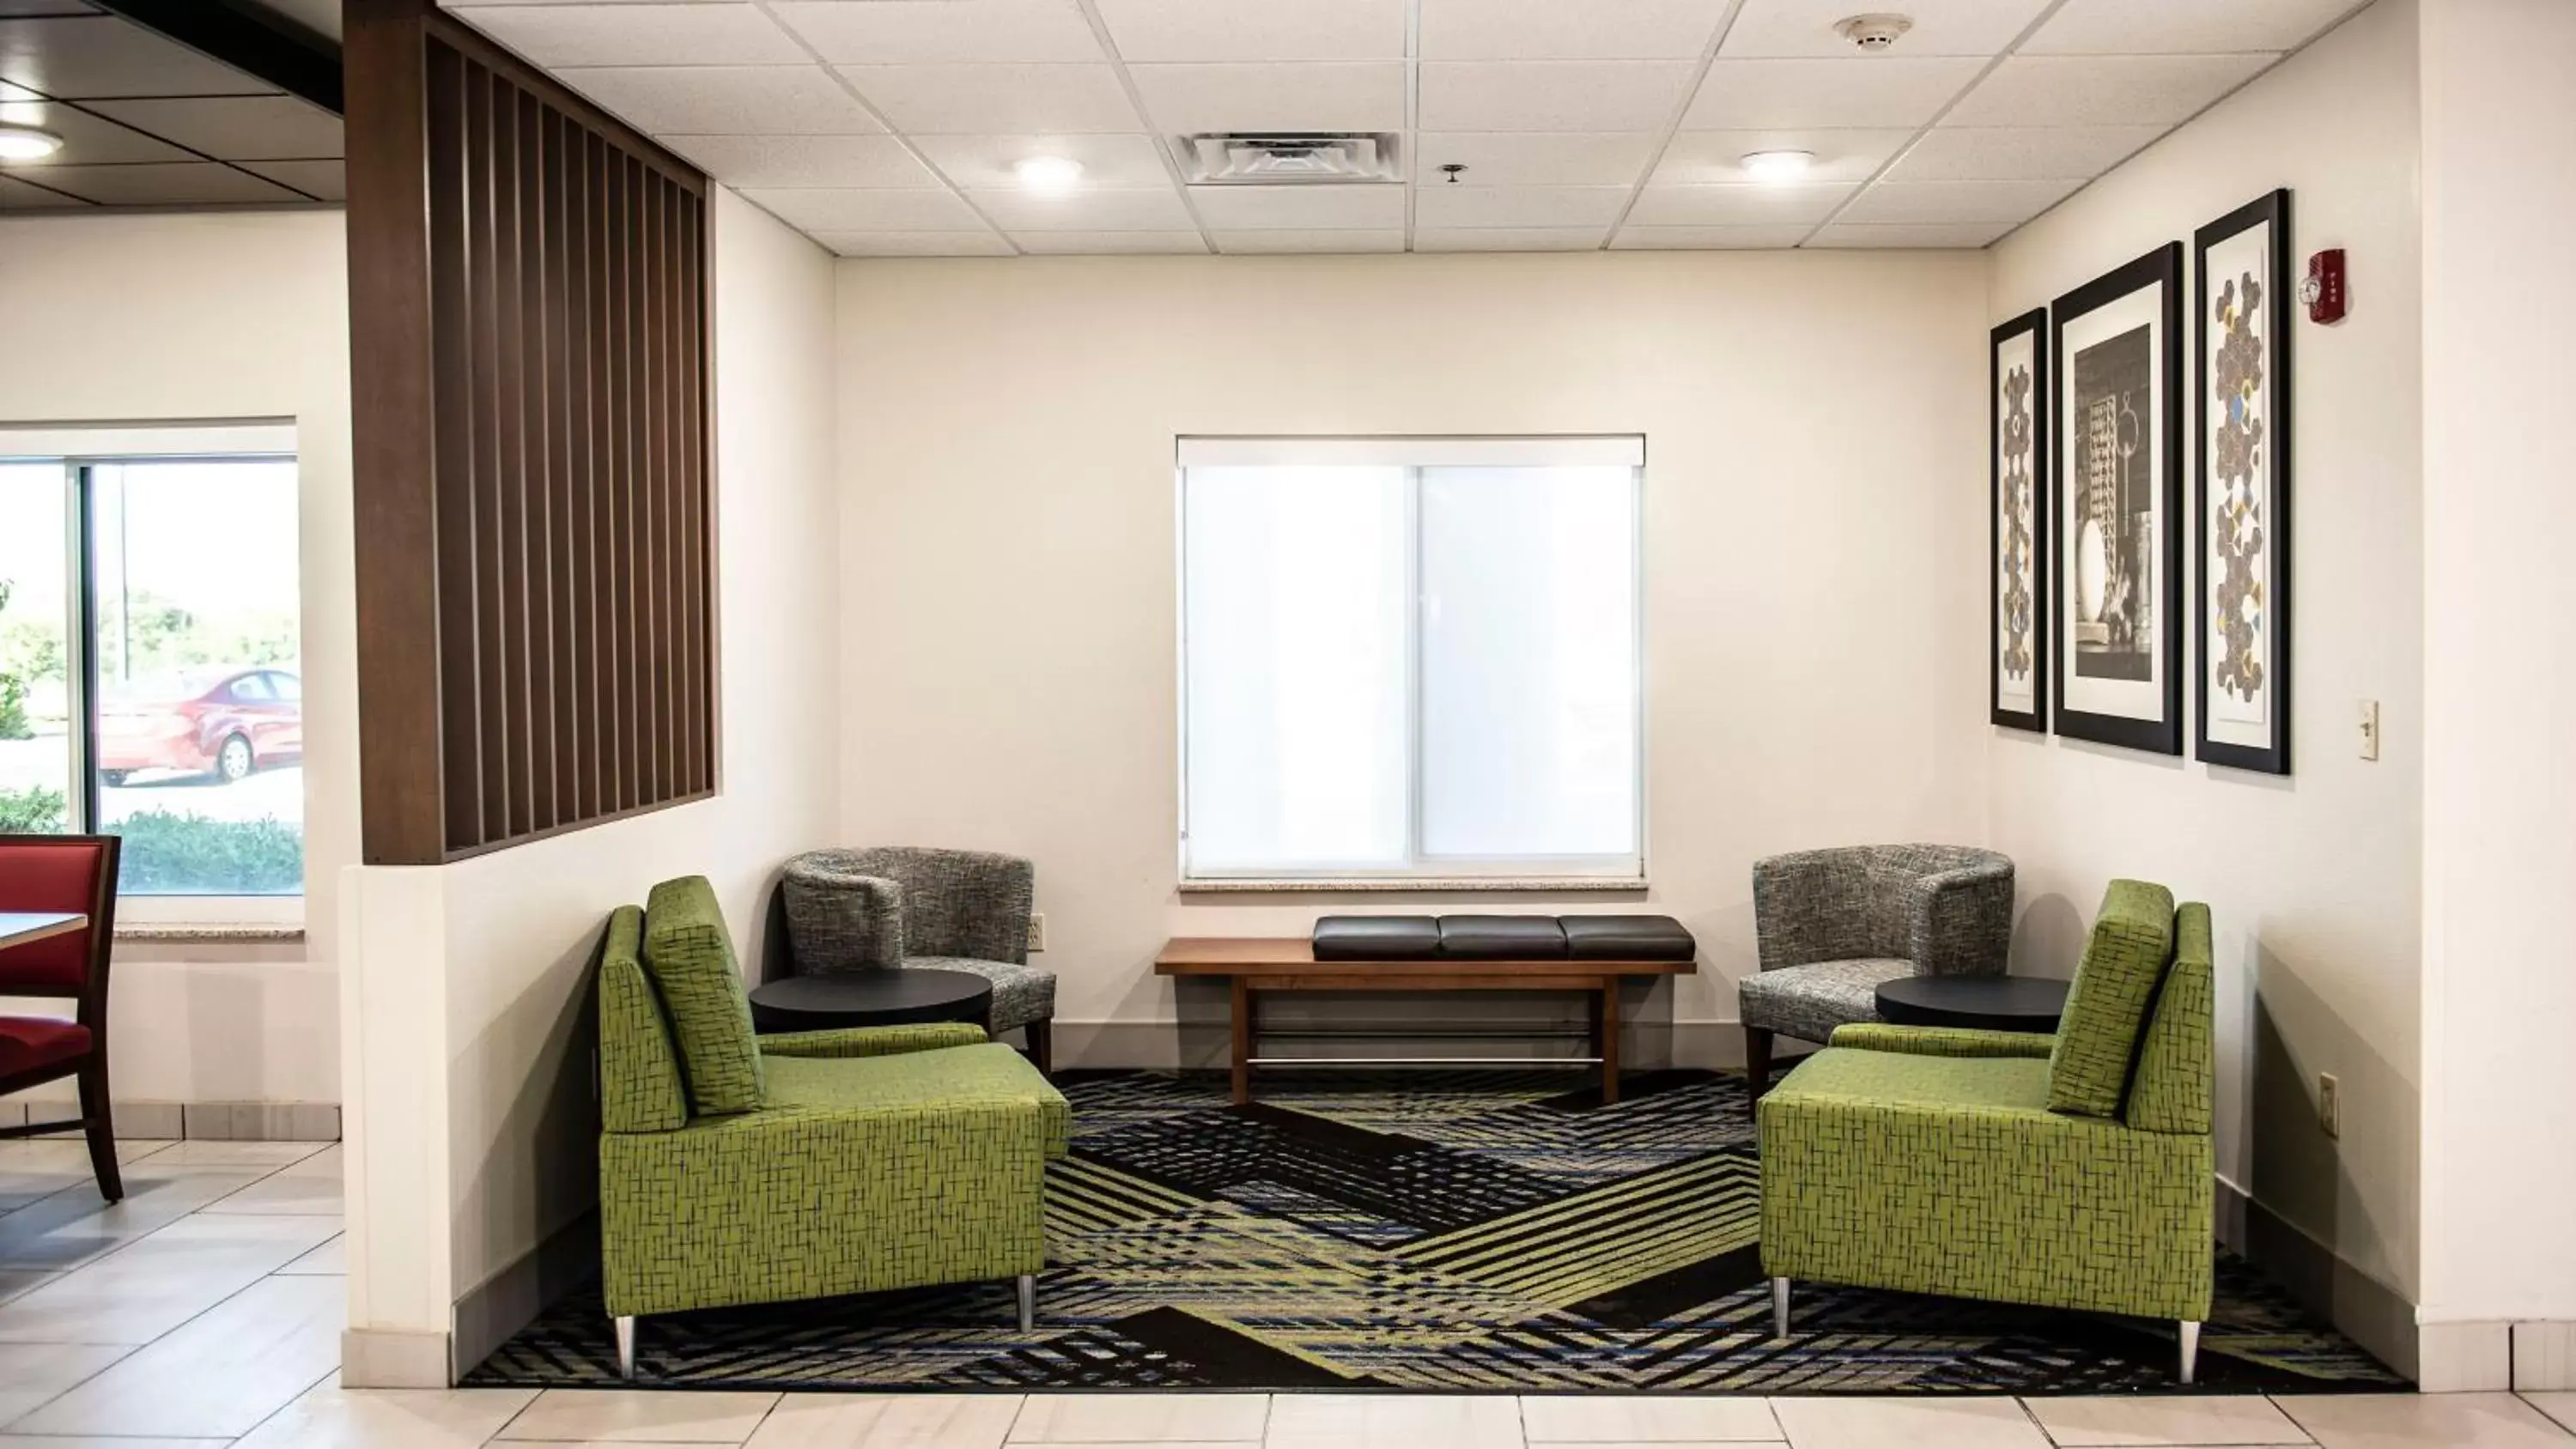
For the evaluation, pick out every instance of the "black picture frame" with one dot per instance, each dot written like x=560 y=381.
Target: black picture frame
x=2024 y=559
x=2254 y=662
x=2137 y=630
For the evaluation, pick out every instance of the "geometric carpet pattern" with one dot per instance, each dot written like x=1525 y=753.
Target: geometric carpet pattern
x=1465 y=1231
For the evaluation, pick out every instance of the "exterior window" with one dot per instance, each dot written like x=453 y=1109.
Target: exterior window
x=1410 y=659
x=149 y=640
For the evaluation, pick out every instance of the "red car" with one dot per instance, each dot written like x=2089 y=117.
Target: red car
x=221 y=722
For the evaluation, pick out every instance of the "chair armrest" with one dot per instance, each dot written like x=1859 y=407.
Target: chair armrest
x=839 y=922
x=1942 y=1041
x=872 y=1041
x=1960 y=921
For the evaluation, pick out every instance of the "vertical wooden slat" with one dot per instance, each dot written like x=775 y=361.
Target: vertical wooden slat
x=564 y=415
x=597 y=545
x=694 y=570
x=636 y=786
x=536 y=514
x=485 y=403
x=451 y=258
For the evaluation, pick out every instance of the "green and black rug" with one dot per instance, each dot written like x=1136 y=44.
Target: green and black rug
x=1453 y=1232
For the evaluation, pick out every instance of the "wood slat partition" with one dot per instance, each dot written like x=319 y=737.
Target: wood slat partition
x=530 y=373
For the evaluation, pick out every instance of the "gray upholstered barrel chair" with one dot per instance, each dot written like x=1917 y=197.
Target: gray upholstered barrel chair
x=1833 y=925
x=947 y=910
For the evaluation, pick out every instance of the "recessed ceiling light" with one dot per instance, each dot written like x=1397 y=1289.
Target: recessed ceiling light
x=1049 y=173
x=27 y=143
x=1778 y=165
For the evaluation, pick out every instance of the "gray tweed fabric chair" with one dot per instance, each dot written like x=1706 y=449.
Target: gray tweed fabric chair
x=1832 y=925
x=948 y=910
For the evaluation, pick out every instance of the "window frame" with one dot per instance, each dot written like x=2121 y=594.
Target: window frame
x=1623 y=871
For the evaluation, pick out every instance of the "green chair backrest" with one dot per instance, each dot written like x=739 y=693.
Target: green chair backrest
x=689 y=956
x=2106 y=1007
x=2177 y=1064
x=639 y=1073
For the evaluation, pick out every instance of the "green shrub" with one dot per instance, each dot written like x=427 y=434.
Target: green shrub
x=13 y=710
x=32 y=811
x=192 y=855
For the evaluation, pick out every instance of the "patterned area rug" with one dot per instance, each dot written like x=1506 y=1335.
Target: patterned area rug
x=1457 y=1232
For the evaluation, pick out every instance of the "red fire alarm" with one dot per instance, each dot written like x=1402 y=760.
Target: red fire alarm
x=2323 y=290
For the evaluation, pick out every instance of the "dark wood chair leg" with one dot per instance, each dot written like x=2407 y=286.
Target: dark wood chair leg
x=1757 y=1062
x=1041 y=1036
x=99 y=1120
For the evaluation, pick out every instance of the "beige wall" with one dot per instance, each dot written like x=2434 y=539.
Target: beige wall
x=178 y=317
x=2313 y=879
x=1814 y=669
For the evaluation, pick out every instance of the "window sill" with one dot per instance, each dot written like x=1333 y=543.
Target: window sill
x=1422 y=885
x=238 y=934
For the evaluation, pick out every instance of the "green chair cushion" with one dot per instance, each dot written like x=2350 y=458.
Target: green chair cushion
x=1897 y=1078
x=689 y=956
x=639 y=1074
x=2106 y=1007
x=2177 y=1065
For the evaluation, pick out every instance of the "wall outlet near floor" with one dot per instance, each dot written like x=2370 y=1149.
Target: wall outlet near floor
x=1037 y=930
x=2329 y=1105
x=2369 y=729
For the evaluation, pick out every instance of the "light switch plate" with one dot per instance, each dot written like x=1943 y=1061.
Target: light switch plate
x=2369 y=729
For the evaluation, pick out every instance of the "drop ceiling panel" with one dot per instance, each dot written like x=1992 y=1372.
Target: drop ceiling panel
x=1949 y=236
x=1519 y=206
x=194 y=183
x=1568 y=29
x=987 y=162
x=1717 y=157
x=1569 y=95
x=83 y=57
x=913 y=243
x=1255 y=30
x=1508 y=239
x=1947 y=27
x=235 y=128
x=986 y=100
x=865 y=209
x=1880 y=94
x=2020 y=153
x=1736 y=205
x=929 y=32
x=46 y=7
x=2100 y=90
x=725 y=100
x=1086 y=210
x=2176 y=27
x=613 y=34
x=1298 y=208
x=1111 y=243
x=1540 y=158
x=748 y=161
x=1709 y=238
x=322 y=180
x=1942 y=202
x=87 y=139
x=1336 y=96
x=16 y=195
x=1239 y=243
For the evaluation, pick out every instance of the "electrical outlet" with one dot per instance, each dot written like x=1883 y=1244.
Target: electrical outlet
x=2370 y=729
x=2329 y=1105
x=1037 y=930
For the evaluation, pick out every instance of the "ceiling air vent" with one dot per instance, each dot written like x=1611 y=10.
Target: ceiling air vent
x=1306 y=158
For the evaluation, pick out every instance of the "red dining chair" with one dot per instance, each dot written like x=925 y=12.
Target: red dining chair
x=62 y=873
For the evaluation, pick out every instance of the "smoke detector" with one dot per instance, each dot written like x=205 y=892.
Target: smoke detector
x=1873 y=33
x=1309 y=158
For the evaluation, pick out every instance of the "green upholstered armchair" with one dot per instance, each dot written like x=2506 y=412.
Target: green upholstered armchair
x=2067 y=1171
x=738 y=1169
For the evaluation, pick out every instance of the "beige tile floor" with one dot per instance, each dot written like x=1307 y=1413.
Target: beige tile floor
x=204 y=1312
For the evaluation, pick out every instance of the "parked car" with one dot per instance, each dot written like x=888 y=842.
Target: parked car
x=226 y=723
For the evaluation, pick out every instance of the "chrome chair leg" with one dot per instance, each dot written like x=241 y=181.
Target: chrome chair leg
x=2190 y=1349
x=626 y=1347
x=1779 y=1308
x=1028 y=1303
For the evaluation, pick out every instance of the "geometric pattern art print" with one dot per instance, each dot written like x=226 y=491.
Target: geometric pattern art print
x=2238 y=501
x=2016 y=553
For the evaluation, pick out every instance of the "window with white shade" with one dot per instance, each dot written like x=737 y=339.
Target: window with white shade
x=1410 y=658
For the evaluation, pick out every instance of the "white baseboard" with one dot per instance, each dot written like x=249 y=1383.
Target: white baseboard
x=394 y=1358
x=2464 y=1358
x=2362 y=1308
x=511 y=1299
x=1163 y=1046
x=202 y=1121
x=2544 y=1357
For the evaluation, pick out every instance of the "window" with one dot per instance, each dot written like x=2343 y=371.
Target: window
x=1410 y=659
x=149 y=632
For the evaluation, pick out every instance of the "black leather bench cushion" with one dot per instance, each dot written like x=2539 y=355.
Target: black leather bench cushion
x=1376 y=938
x=1627 y=938
x=1502 y=938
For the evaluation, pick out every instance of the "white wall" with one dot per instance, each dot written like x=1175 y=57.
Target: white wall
x=2313 y=879
x=152 y=318
x=472 y=1130
x=1814 y=670
x=2500 y=633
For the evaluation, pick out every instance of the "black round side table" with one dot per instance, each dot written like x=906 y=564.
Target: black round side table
x=884 y=996
x=1990 y=1003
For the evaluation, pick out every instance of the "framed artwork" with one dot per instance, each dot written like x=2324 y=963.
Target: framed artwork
x=2018 y=494
x=2241 y=460
x=2116 y=506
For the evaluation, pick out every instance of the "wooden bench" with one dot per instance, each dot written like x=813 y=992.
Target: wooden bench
x=1287 y=963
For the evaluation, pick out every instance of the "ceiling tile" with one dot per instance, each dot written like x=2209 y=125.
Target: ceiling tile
x=1930 y=202
x=913 y=243
x=1881 y=94
x=747 y=161
x=2015 y=153
x=1111 y=243
x=86 y=138
x=9 y=92
x=1568 y=29
x=1717 y=157
x=86 y=56
x=47 y=7
x=930 y=32
x=1240 y=243
x=1508 y=239
x=1151 y=30
x=678 y=34
x=2103 y=90
x=1107 y=161
x=325 y=180
x=1087 y=209
x=1637 y=95
x=725 y=100
x=865 y=209
x=16 y=195
x=2183 y=27
x=1519 y=206
x=1312 y=96
x=992 y=100
x=1294 y=208
x=194 y=183
x=1980 y=28
x=235 y=128
x=1535 y=158
x=1737 y=205
x=1952 y=236
x=1773 y=237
